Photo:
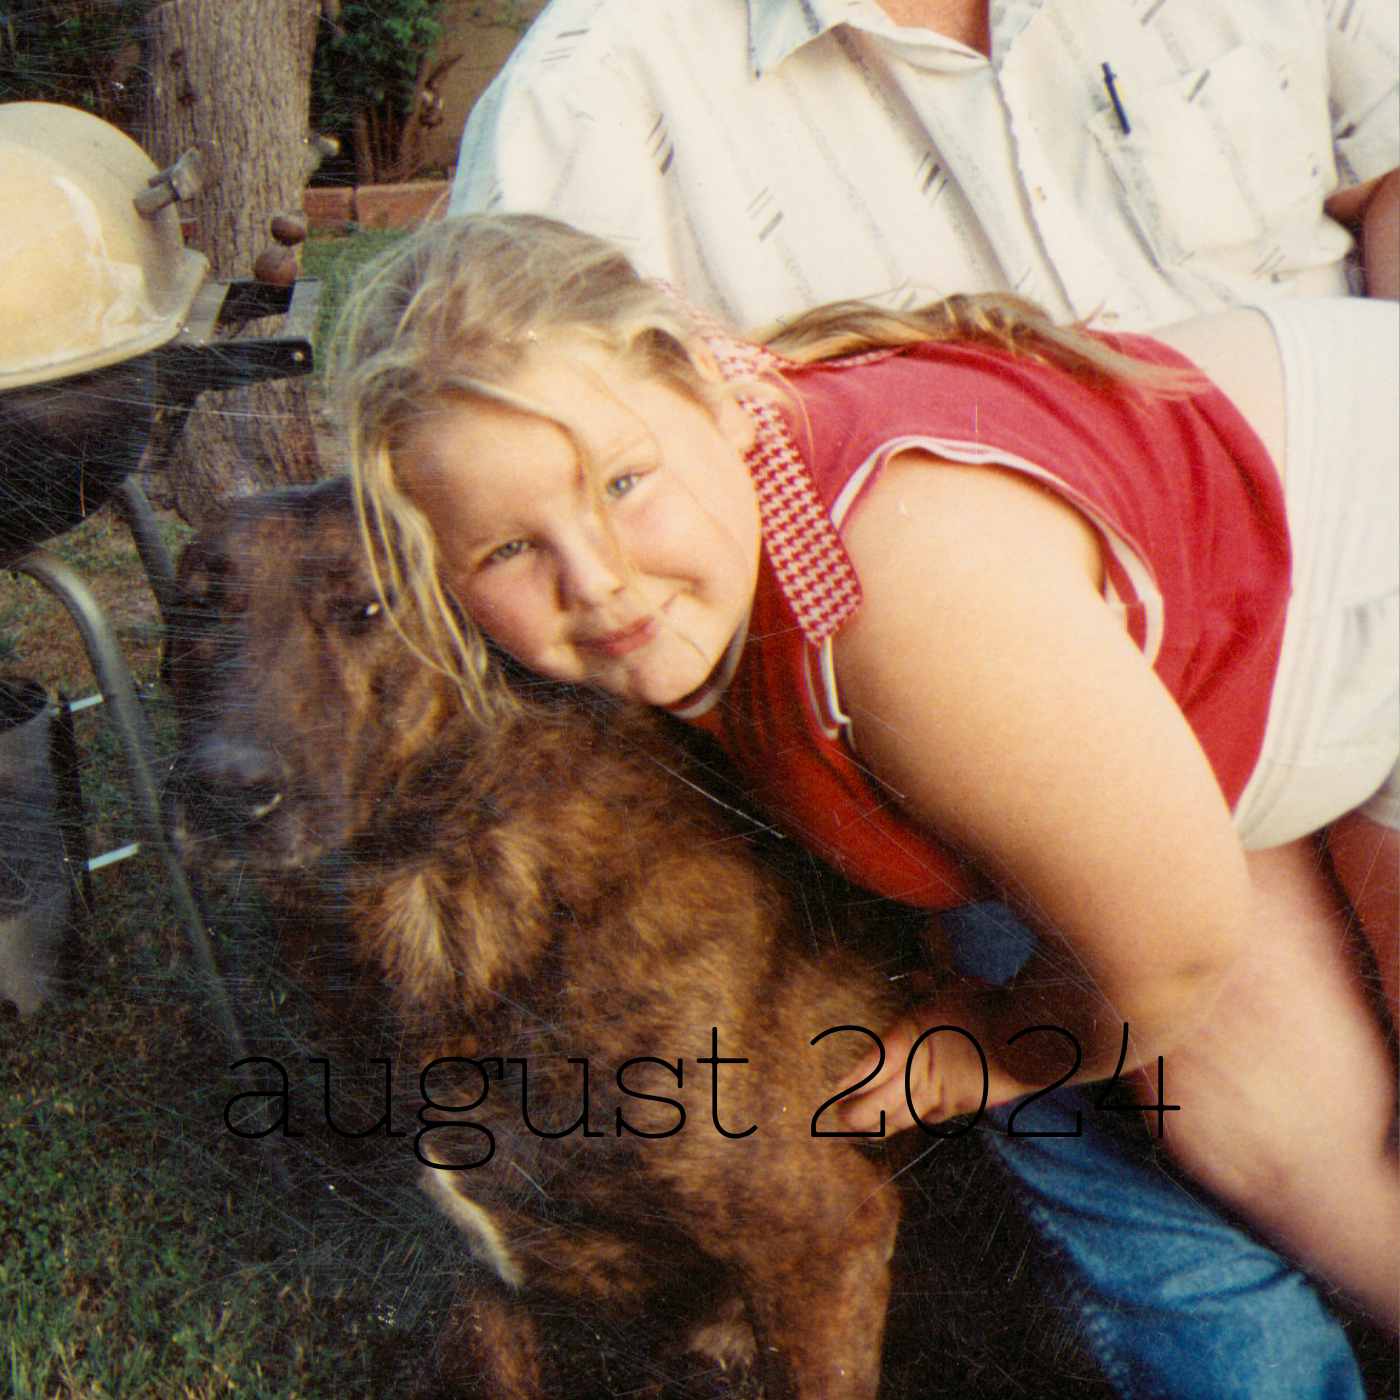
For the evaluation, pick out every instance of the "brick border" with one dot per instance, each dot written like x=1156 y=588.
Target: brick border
x=375 y=206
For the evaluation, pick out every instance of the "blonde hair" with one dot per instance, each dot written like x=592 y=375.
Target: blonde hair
x=998 y=320
x=456 y=311
x=454 y=314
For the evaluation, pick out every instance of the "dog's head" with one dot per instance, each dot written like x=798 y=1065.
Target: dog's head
x=296 y=694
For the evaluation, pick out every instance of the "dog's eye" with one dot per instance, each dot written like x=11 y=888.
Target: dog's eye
x=360 y=613
x=200 y=590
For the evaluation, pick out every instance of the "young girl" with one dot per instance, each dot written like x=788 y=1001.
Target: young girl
x=977 y=605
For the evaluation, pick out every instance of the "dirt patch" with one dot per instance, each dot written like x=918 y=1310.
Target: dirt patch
x=37 y=637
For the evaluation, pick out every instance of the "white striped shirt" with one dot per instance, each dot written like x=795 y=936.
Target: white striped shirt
x=1149 y=159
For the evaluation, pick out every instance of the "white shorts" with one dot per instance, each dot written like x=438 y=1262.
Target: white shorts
x=1332 y=739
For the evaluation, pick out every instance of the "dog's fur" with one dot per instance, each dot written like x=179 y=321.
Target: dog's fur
x=544 y=889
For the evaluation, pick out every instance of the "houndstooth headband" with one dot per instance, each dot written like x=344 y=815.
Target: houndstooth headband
x=808 y=558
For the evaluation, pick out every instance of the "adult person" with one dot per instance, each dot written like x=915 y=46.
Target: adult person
x=1143 y=161
x=1136 y=162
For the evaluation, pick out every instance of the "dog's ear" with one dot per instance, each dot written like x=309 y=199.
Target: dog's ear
x=178 y=620
x=200 y=592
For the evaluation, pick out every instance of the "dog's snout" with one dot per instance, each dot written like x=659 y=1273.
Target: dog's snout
x=234 y=784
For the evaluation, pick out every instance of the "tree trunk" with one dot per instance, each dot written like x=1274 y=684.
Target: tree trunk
x=233 y=78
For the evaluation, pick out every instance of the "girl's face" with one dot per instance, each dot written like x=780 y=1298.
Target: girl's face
x=633 y=577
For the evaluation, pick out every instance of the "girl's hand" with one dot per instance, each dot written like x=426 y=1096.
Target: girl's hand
x=946 y=1076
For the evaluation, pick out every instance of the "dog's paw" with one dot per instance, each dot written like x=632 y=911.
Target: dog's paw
x=725 y=1338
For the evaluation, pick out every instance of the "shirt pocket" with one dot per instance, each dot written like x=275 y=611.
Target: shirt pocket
x=1219 y=159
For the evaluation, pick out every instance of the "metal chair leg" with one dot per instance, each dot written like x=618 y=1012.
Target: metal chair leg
x=114 y=680
x=130 y=500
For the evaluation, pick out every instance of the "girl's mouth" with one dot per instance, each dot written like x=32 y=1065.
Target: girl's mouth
x=627 y=639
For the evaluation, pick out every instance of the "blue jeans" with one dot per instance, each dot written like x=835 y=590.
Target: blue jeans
x=1176 y=1301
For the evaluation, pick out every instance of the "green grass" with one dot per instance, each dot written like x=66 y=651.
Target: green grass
x=334 y=259
x=147 y=1251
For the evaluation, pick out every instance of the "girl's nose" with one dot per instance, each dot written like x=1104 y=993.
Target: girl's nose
x=590 y=572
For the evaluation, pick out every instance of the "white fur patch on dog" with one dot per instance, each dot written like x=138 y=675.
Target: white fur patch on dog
x=726 y=1338
x=483 y=1238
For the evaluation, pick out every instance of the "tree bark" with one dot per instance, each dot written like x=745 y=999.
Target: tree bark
x=233 y=78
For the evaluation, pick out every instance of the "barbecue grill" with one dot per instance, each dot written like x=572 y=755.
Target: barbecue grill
x=109 y=331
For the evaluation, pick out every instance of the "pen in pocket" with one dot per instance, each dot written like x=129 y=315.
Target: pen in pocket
x=1108 y=82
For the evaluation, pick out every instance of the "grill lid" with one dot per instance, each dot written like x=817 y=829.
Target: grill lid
x=86 y=278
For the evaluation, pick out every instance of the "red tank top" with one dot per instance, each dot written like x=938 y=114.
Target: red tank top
x=1189 y=510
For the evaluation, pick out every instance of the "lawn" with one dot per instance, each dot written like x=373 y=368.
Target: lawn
x=148 y=1251
x=145 y=1249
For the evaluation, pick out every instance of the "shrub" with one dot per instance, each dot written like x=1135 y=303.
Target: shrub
x=84 y=53
x=372 y=84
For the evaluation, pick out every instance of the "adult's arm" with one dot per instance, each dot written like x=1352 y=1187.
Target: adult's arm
x=1372 y=211
x=1003 y=703
x=1363 y=62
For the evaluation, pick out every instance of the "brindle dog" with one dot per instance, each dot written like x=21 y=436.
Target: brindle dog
x=630 y=998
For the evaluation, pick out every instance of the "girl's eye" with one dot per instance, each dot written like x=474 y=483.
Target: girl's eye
x=502 y=552
x=619 y=486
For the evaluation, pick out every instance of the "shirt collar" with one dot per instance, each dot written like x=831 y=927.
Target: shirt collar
x=702 y=701
x=778 y=28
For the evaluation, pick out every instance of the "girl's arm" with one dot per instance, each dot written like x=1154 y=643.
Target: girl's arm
x=995 y=693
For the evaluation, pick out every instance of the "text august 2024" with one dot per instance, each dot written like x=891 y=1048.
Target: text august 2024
x=281 y=1098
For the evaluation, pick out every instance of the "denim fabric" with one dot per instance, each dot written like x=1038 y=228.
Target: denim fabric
x=1177 y=1302
x=987 y=940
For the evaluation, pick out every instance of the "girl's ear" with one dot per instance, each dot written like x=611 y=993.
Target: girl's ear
x=734 y=424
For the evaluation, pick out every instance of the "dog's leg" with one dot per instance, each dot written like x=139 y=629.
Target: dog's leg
x=820 y=1316
x=487 y=1350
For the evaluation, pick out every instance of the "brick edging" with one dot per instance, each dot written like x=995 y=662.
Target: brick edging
x=375 y=206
